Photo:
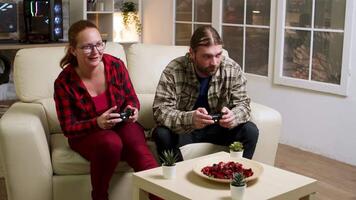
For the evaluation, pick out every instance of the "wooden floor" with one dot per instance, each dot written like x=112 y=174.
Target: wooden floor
x=336 y=180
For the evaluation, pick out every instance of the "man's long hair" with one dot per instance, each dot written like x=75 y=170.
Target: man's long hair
x=205 y=36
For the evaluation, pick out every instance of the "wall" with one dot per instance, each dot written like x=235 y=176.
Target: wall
x=157 y=21
x=316 y=122
x=1 y=168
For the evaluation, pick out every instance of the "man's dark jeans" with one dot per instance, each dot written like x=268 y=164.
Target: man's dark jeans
x=246 y=133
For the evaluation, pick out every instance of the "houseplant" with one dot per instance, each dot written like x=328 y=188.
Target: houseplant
x=130 y=15
x=237 y=186
x=169 y=159
x=236 y=149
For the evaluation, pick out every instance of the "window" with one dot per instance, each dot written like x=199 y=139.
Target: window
x=246 y=33
x=313 y=49
x=310 y=44
x=189 y=15
x=244 y=25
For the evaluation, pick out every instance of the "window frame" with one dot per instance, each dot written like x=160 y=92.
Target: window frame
x=279 y=79
x=271 y=29
x=192 y=22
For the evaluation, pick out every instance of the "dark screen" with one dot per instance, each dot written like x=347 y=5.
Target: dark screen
x=8 y=17
x=38 y=16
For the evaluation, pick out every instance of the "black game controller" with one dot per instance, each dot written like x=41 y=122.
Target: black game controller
x=216 y=117
x=126 y=114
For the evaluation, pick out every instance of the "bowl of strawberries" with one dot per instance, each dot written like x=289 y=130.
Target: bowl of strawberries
x=223 y=170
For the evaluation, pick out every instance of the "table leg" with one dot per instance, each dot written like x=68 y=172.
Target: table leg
x=138 y=194
x=309 y=197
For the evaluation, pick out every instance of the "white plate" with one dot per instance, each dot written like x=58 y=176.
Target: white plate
x=257 y=168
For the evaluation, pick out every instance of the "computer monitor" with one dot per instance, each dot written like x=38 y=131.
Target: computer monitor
x=8 y=16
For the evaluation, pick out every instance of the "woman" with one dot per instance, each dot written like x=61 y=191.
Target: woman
x=89 y=93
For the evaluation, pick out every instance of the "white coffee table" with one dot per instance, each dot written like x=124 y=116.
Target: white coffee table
x=273 y=183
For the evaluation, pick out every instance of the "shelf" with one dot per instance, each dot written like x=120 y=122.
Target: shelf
x=107 y=18
x=99 y=12
x=5 y=46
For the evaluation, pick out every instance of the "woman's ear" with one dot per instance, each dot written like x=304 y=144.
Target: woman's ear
x=72 y=51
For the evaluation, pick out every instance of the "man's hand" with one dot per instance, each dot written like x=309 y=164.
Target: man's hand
x=109 y=119
x=228 y=118
x=134 y=116
x=201 y=118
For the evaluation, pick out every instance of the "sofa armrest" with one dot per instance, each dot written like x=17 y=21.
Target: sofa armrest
x=25 y=152
x=269 y=123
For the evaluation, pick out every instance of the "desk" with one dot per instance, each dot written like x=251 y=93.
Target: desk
x=273 y=183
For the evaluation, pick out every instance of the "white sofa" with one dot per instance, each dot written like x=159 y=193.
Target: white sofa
x=39 y=165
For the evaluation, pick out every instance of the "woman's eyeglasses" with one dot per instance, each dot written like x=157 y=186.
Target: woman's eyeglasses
x=87 y=49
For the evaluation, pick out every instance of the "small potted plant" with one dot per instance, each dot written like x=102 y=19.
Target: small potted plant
x=237 y=186
x=130 y=15
x=236 y=150
x=169 y=159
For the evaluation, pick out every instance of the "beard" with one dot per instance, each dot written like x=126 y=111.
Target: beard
x=206 y=70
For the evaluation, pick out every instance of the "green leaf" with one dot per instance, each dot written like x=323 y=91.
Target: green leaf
x=169 y=158
x=236 y=146
x=238 y=180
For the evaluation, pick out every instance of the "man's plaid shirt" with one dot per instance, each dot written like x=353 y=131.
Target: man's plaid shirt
x=178 y=90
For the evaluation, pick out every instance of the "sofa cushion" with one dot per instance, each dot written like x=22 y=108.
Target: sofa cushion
x=33 y=80
x=65 y=161
x=195 y=150
x=145 y=116
x=146 y=63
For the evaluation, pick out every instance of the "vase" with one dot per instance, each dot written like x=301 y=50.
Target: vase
x=169 y=172
x=100 y=6
x=237 y=192
x=91 y=4
x=236 y=154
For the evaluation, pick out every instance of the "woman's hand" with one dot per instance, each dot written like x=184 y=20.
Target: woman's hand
x=109 y=118
x=134 y=116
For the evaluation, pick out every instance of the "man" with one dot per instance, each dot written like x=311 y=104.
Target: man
x=194 y=86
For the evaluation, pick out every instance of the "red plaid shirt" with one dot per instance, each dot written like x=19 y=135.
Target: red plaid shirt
x=75 y=107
